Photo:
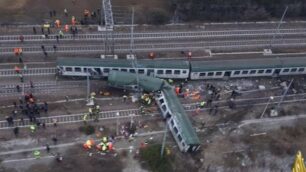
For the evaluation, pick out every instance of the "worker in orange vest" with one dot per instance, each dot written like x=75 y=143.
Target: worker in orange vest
x=86 y=13
x=151 y=55
x=73 y=20
x=17 y=69
x=58 y=23
x=66 y=28
x=16 y=51
x=189 y=54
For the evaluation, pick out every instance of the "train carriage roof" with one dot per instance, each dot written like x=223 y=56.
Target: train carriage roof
x=238 y=64
x=187 y=131
x=121 y=79
x=167 y=64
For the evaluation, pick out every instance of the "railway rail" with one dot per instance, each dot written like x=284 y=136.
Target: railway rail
x=39 y=87
x=174 y=46
x=28 y=72
x=158 y=35
x=120 y=114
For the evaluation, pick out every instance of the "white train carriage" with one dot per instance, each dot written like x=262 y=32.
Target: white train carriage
x=247 y=68
x=101 y=67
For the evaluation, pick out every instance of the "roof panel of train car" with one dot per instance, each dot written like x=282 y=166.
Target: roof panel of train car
x=218 y=65
x=120 y=79
x=188 y=132
x=293 y=61
x=167 y=64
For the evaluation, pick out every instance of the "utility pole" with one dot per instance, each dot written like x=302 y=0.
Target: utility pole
x=278 y=27
x=164 y=141
x=285 y=93
x=264 y=111
x=88 y=85
x=134 y=60
x=117 y=123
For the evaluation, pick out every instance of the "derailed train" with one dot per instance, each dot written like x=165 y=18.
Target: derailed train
x=182 y=69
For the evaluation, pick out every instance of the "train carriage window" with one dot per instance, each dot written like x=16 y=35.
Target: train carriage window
x=160 y=72
x=253 y=72
x=184 y=71
x=77 y=69
x=132 y=70
x=68 y=69
x=202 y=74
x=218 y=73
x=175 y=130
x=245 y=72
x=293 y=69
x=301 y=69
x=141 y=71
x=164 y=107
x=115 y=69
x=285 y=70
x=123 y=70
x=177 y=72
x=261 y=71
x=106 y=70
x=210 y=74
x=168 y=72
x=180 y=137
x=237 y=72
x=98 y=70
x=172 y=123
x=269 y=71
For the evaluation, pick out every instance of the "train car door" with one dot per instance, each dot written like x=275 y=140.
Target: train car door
x=150 y=72
x=276 y=72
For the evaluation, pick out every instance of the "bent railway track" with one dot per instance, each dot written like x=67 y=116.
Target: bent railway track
x=121 y=114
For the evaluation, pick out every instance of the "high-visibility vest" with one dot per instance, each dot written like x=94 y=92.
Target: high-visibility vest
x=85 y=117
x=202 y=103
x=32 y=128
x=61 y=33
x=36 y=154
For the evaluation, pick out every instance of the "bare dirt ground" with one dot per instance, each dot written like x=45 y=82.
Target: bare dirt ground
x=36 y=11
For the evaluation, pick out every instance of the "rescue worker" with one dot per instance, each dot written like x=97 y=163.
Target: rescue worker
x=73 y=20
x=85 y=118
x=21 y=38
x=202 y=104
x=47 y=148
x=124 y=98
x=32 y=128
x=61 y=34
x=36 y=154
x=21 y=77
x=57 y=38
x=170 y=81
x=54 y=48
x=31 y=84
x=34 y=30
x=16 y=131
x=18 y=88
x=142 y=111
x=66 y=12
